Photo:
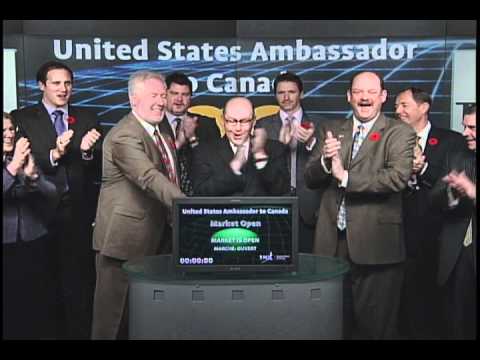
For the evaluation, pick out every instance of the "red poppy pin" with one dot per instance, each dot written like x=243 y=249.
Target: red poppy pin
x=433 y=141
x=375 y=136
x=71 y=120
x=306 y=125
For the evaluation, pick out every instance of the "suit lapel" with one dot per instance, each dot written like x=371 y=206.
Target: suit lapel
x=367 y=144
x=165 y=127
x=225 y=150
x=44 y=124
x=430 y=149
x=345 y=137
x=152 y=151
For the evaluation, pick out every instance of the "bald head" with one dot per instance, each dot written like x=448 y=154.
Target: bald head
x=238 y=115
x=238 y=106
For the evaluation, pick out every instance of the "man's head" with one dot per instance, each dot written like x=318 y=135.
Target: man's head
x=412 y=106
x=179 y=93
x=56 y=82
x=147 y=92
x=288 y=90
x=366 y=95
x=238 y=116
x=470 y=126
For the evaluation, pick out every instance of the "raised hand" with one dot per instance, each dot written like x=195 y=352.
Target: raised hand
x=30 y=169
x=304 y=132
x=331 y=146
x=22 y=150
x=286 y=133
x=462 y=184
x=239 y=159
x=259 y=141
x=61 y=144
x=89 y=140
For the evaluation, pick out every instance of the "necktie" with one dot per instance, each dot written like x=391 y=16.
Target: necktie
x=357 y=142
x=185 y=183
x=293 y=156
x=413 y=181
x=58 y=122
x=176 y=125
x=172 y=176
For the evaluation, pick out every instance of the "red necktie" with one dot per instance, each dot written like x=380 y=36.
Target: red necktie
x=172 y=175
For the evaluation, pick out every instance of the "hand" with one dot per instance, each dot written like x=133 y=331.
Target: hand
x=89 y=140
x=418 y=163
x=305 y=132
x=22 y=150
x=331 y=146
x=239 y=159
x=461 y=184
x=259 y=141
x=189 y=125
x=286 y=134
x=338 y=171
x=61 y=144
x=30 y=170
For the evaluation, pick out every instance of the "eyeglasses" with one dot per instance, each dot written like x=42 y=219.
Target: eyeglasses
x=242 y=122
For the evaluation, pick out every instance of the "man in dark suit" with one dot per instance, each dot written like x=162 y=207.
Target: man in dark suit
x=140 y=180
x=65 y=143
x=240 y=164
x=363 y=164
x=299 y=132
x=456 y=195
x=186 y=128
x=420 y=305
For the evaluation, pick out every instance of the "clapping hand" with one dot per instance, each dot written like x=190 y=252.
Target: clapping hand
x=89 y=140
x=239 y=159
x=22 y=150
x=461 y=184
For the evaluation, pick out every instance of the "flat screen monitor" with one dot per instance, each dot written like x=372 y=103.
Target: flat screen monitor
x=235 y=234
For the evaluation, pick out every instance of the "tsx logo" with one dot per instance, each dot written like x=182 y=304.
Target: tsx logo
x=266 y=258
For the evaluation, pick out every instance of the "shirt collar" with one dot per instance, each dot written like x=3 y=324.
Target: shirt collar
x=366 y=125
x=149 y=128
x=51 y=109
x=172 y=117
x=424 y=132
x=298 y=115
x=246 y=146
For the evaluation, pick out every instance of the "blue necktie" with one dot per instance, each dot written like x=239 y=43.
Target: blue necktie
x=342 y=211
x=58 y=122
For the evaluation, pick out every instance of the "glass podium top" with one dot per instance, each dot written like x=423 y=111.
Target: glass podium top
x=310 y=268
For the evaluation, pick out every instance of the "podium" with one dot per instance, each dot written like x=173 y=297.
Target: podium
x=307 y=304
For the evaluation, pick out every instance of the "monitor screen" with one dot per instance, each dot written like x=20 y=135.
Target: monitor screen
x=235 y=234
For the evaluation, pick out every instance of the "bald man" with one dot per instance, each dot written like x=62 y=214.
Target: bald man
x=243 y=162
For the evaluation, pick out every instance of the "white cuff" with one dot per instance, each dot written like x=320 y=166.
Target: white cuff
x=310 y=147
x=51 y=159
x=424 y=168
x=325 y=166
x=344 y=181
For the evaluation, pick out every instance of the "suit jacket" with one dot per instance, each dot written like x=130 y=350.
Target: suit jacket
x=212 y=175
x=24 y=205
x=207 y=131
x=421 y=222
x=457 y=218
x=308 y=199
x=35 y=123
x=135 y=197
x=376 y=177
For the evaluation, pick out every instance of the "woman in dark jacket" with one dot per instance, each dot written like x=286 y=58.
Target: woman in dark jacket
x=27 y=278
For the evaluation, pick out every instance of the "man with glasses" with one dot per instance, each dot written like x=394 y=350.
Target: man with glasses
x=243 y=162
